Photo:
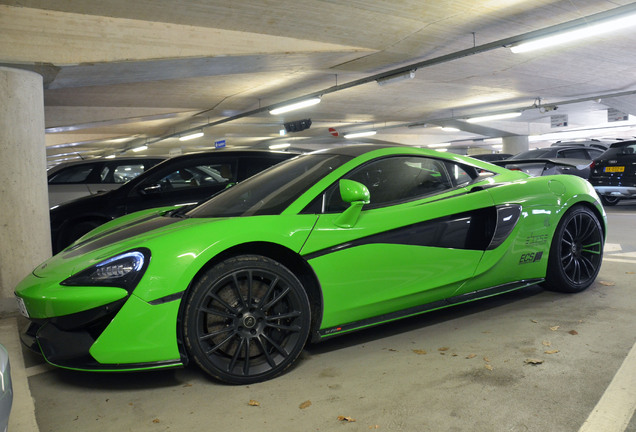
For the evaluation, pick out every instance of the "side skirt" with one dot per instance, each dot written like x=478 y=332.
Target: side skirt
x=417 y=310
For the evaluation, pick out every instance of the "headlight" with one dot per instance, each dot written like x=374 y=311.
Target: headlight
x=123 y=270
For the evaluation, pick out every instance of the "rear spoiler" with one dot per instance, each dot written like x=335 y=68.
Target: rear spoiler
x=576 y=163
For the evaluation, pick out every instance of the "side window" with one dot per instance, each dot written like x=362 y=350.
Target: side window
x=401 y=178
x=594 y=153
x=116 y=173
x=73 y=174
x=202 y=175
x=573 y=153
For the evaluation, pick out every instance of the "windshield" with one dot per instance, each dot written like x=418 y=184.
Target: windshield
x=271 y=191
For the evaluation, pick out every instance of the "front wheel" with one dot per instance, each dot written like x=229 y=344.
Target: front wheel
x=576 y=252
x=246 y=320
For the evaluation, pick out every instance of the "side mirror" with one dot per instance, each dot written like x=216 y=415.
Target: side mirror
x=357 y=195
x=352 y=191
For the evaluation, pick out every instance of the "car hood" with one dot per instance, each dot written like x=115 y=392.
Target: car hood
x=113 y=238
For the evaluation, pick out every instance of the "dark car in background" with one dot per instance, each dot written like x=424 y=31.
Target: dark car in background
x=71 y=180
x=614 y=173
x=561 y=159
x=178 y=181
x=491 y=157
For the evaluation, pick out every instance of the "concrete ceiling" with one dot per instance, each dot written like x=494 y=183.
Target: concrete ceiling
x=119 y=74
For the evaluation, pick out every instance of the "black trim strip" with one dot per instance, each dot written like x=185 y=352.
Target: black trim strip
x=451 y=301
x=472 y=230
x=167 y=299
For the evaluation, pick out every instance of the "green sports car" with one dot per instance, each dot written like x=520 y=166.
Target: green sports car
x=317 y=246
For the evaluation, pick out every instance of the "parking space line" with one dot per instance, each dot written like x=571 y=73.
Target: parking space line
x=616 y=407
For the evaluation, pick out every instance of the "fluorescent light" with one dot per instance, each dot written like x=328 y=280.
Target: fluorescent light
x=360 y=134
x=279 y=146
x=577 y=34
x=142 y=148
x=191 y=136
x=441 y=149
x=439 y=145
x=110 y=157
x=449 y=129
x=295 y=106
x=494 y=117
x=282 y=132
x=397 y=77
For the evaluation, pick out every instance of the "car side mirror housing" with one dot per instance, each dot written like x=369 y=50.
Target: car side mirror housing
x=357 y=195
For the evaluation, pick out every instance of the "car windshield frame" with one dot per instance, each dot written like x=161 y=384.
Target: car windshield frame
x=271 y=191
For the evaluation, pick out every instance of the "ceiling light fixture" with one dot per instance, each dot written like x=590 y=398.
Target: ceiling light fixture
x=360 y=134
x=141 y=148
x=490 y=117
x=279 y=146
x=294 y=106
x=396 y=77
x=439 y=145
x=449 y=129
x=585 y=31
x=194 y=135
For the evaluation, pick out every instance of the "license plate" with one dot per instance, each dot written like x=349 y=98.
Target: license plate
x=615 y=169
x=22 y=307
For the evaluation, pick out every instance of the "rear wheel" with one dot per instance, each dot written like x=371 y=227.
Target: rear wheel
x=247 y=320
x=609 y=200
x=576 y=252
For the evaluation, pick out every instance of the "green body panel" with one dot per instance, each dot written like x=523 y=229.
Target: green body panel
x=45 y=298
x=376 y=279
x=153 y=342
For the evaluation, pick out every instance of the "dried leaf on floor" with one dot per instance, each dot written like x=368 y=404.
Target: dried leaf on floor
x=533 y=361
x=305 y=404
x=488 y=367
x=630 y=272
x=551 y=351
x=605 y=283
x=554 y=328
x=534 y=321
x=573 y=332
x=546 y=343
x=346 y=419
x=443 y=349
x=469 y=356
x=419 y=351
x=253 y=402
x=374 y=427
x=486 y=359
x=156 y=421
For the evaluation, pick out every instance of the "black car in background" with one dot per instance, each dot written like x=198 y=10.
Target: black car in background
x=614 y=173
x=181 y=180
x=561 y=159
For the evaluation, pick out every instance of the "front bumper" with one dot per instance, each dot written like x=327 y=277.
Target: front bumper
x=616 y=191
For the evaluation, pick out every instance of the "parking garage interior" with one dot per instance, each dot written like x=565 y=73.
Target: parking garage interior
x=94 y=80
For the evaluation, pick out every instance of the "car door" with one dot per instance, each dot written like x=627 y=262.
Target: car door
x=115 y=173
x=187 y=182
x=415 y=243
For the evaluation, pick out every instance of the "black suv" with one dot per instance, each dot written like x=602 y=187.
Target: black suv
x=614 y=173
x=181 y=180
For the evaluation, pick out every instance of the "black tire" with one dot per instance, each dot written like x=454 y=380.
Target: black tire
x=609 y=201
x=246 y=320
x=576 y=252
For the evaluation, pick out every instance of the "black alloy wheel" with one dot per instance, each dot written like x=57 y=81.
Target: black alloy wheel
x=576 y=252
x=609 y=200
x=246 y=320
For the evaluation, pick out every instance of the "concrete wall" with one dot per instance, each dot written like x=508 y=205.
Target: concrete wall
x=25 y=238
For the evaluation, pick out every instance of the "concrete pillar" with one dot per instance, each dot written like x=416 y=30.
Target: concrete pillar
x=515 y=144
x=25 y=238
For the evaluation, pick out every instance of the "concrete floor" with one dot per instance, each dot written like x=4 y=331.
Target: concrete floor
x=461 y=369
